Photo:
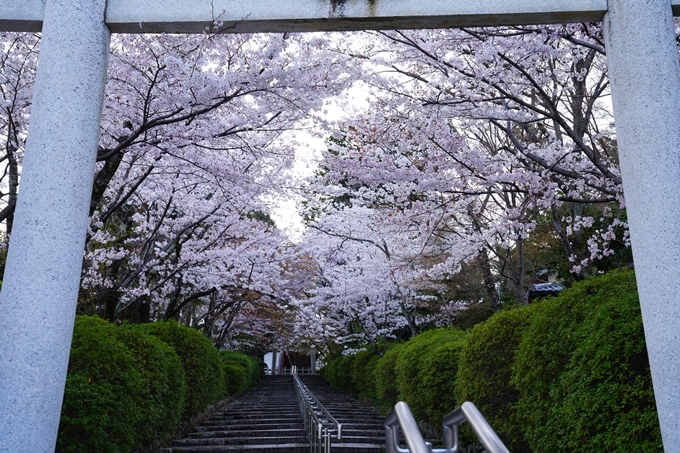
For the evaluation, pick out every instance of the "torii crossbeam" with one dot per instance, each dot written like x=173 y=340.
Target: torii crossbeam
x=42 y=275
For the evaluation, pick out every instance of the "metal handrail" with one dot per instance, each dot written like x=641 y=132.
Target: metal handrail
x=486 y=435
x=321 y=426
x=401 y=417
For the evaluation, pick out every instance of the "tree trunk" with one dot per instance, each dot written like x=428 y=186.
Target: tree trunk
x=520 y=293
x=103 y=178
x=577 y=276
x=13 y=186
x=489 y=283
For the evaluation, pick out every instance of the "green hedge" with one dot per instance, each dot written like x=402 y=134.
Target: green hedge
x=129 y=385
x=363 y=380
x=252 y=367
x=104 y=393
x=201 y=361
x=437 y=379
x=412 y=364
x=386 y=390
x=236 y=378
x=582 y=372
x=569 y=373
x=165 y=387
x=341 y=373
x=484 y=372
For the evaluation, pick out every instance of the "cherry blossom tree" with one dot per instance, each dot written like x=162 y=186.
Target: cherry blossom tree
x=478 y=146
x=194 y=140
x=475 y=135
x=18 y=61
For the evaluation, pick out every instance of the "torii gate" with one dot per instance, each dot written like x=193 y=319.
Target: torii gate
x=38 y=299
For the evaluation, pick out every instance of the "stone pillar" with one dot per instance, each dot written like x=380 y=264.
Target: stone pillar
x=280 y=363
x=313 y=366
x=645 y=78
x=40 y=287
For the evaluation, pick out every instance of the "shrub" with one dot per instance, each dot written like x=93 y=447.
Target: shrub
x=438 y=369
x=165 y=383
x=363 y=380
x=582 y=371
x=330 y=371
x=410 y=366
x=236 y=378
x=253 y=370
x=473 y=315
x=343 y=373
x=201 y=362
x=369 y=390
x=338 y=372
x=385 y=372
x=484 y=372
x=104 y=392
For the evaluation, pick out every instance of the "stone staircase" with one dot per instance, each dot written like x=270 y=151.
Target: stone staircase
x=264 y=419
x=363 y=427
x=267 y=419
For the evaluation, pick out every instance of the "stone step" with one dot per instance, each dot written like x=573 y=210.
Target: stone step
x=361 y=424
x=263 y=426
x=363 y=432
x=267 y=419
x=357 y=447
x=271 y=415
x=350 y=411
x=289 y=403
x=246 y=432
x=362 y=439
x=277 y=448
x=248 y=440
x=374 y=418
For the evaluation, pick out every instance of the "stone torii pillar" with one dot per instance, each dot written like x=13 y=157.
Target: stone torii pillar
x=43 y=267
x=38 y=299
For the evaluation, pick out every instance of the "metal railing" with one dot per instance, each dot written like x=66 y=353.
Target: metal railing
x=401 y=418
x=297 y=370
x=321 y=426
x=290 y=370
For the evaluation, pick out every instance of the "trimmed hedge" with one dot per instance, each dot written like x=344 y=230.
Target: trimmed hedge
x=363 y=380
x=236 y=378
x=569 y=373
x=385 y=373
x=484 y=372
x=104 y=393
x=165 y=383
x=411 y=366
x=201 y=362
x=340 y=373
x=346 y=372
x=127 y=386
x=437 y=379
x=252 y=368
x=582 y=372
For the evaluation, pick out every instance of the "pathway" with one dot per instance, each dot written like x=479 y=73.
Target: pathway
x=267 y=418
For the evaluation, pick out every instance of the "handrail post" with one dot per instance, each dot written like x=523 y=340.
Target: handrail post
x=451 y=438
x=486 y=435
x=401 y=417
x=320 y=437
